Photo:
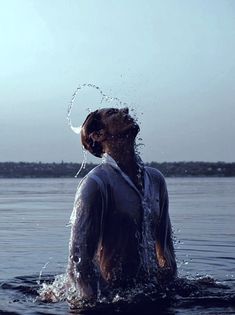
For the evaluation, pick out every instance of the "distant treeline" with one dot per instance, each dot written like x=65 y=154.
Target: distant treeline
x=169 y=169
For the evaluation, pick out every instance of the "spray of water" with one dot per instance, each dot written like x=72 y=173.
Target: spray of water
x=55 y=291
x=41 y=271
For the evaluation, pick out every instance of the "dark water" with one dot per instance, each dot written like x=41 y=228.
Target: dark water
x=34 y=241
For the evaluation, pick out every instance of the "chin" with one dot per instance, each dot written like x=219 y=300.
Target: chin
x=132 y=130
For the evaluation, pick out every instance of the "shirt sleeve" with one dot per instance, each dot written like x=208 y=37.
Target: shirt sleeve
x=85 y=234
x=165 y=230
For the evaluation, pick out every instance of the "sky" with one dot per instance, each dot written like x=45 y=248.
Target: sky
x=172 y=61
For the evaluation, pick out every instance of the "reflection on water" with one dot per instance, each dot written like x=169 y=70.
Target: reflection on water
x=33 y=235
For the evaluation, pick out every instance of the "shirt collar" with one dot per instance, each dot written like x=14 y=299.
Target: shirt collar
x=107 y=159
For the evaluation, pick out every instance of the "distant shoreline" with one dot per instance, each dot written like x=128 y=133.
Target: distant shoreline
x=69 y=170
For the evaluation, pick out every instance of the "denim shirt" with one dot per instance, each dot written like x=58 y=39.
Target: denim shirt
x=115 y=228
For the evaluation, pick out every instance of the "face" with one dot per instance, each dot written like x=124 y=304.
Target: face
x=118 y=122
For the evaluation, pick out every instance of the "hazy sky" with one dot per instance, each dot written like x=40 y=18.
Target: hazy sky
x=173 y=60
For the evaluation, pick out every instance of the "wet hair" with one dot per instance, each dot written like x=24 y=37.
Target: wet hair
x=92 y=123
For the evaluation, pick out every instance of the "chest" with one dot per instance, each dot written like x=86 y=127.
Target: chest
x=126 y=203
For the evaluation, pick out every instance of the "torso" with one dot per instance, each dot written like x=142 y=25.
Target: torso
x=128 y=219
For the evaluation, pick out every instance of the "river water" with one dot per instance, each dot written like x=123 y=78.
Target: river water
x=34 y=244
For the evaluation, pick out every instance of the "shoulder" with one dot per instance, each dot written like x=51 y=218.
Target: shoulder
x=100 y=173
x=95 y=180
x=157 y=180
x=155 y=174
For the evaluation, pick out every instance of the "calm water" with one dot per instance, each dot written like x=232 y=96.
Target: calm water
x=34 y=238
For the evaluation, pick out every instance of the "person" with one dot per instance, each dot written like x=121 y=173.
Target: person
x=121 y=231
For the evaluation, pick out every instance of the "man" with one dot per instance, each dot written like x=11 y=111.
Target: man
x=121 y=231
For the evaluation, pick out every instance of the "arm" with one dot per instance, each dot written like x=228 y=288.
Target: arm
x=85 y=233
x=164 y=247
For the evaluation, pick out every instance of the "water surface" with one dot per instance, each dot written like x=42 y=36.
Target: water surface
x=34 y=240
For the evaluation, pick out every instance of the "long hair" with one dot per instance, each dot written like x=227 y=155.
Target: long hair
x=92 y=123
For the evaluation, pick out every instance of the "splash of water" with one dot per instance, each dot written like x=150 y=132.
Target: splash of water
x=41 y=271
x=183 y=292
x=56 y=291
x=105 y=100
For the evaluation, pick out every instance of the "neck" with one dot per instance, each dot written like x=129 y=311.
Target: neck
x=125 y=156
x=126 y=160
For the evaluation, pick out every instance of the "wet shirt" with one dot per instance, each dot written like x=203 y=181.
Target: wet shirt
x=115 y=228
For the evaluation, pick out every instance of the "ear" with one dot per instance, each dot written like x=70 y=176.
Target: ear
x=98 y=136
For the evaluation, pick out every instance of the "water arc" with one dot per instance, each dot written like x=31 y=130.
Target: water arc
x=103 y=100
